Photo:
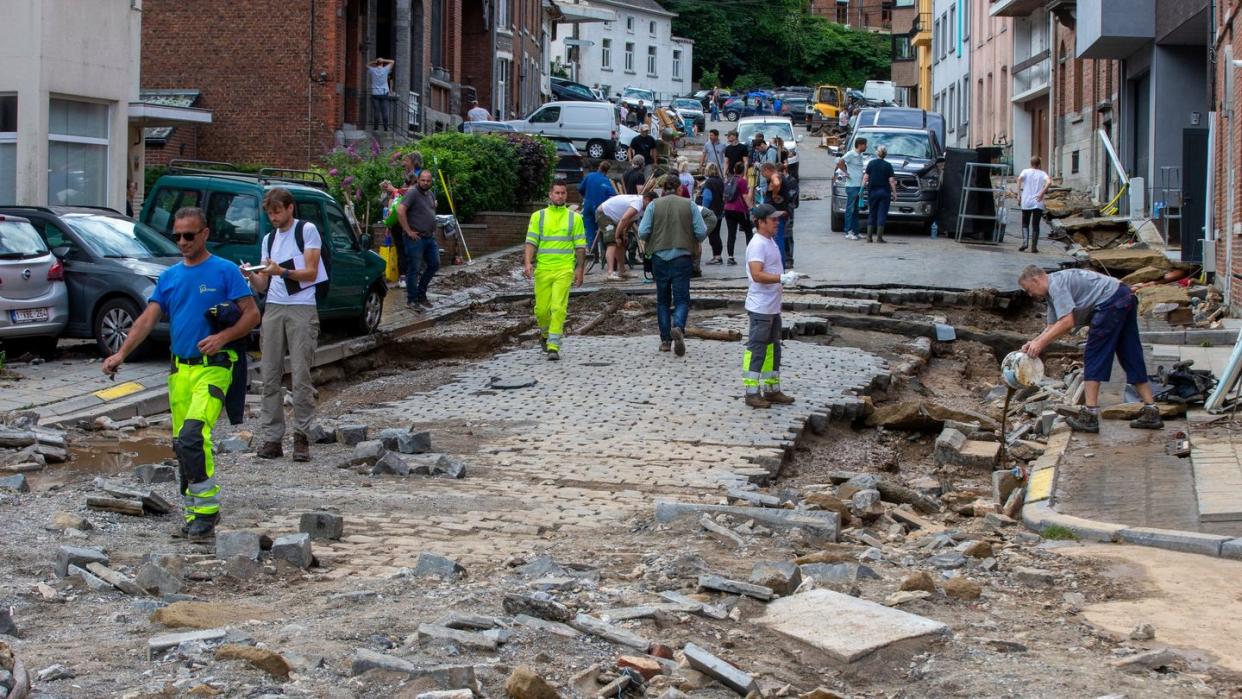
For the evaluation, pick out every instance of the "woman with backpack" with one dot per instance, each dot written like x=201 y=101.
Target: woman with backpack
x=737 y=204
x=712 y=193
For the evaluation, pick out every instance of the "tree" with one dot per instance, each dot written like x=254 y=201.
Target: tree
x=777 y=42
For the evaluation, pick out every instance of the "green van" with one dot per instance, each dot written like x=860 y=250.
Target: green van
x=233 y=201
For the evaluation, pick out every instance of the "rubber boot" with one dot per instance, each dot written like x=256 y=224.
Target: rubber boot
x=870 y=234
x=1035 y=240
x=880 y=235
x=1026 y=236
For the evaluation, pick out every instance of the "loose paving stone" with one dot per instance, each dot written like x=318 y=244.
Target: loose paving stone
x=783 y=577
x=391 y=463
x=719 y=670
x=122 y=582
x=155 y=473
x=540 y=605
x=351 y=435
x=468 y=639
x=367 y=453
x=317 y=434
x=92 y=581
x=524 y=683
x=948 y=560
x=158 y=644
x=322 y=525
x=845 y=627
x=589 y=624
x=237 y=543
x=15 y=482
x=160 y=575
x=715 y=582
x=431 y=565
x=69 y=520
x=708 y=610
x=447 y=677
x=294 y=548
x=77 y=556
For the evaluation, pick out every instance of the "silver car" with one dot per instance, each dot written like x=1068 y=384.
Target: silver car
x=34 y=304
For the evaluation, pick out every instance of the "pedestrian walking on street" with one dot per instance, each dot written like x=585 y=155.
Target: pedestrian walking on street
x=713 y=199
x=714 y=152
x=417 y=215
x=202 y=358
x=477 y=113
x=596 y=188
x=735 y=153
x=761 y=364
x=881 y=184
x=555 y=257
x=644 y=145
x=1033 y=184
x=737 y=205
x=379 y=72
x=636 y=177
x=684 y=177
x=615 y=219
x=760 y=153
x=852 y=164
x=715 y=104
x=1077 y=298
x=671 y=228
x=640 y=115
x=295 y=269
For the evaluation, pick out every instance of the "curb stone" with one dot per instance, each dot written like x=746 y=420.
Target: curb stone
x=1040 y=514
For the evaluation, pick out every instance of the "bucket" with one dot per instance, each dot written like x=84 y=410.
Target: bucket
x=1020 y=371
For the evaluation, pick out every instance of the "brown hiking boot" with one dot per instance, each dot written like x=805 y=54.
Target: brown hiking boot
x=777 y=397
x=301 y=447
x=666 y=346
x=755 y=400
x=1085 y=421
x=270 y=450
x=1148 y=419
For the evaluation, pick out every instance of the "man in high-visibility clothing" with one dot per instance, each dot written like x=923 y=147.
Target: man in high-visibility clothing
x=555 y=258
x=761 y=365
x=202 y=363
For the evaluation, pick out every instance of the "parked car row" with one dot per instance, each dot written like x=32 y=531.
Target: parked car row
x=87 y=272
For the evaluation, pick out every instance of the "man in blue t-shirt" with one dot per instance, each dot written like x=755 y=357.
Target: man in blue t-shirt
x=595 y=189
x=202 y=367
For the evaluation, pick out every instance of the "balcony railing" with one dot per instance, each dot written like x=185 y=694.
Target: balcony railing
x=1032 y=73
x=921 y=29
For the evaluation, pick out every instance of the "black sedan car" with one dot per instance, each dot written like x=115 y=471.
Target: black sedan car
x=569 y=163
x=111 y=264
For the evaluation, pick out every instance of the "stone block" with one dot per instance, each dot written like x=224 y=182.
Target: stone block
x=524 y=683
x=318 y=435
x=16 y=482
x=237 y=543
x=232 y=445
x=431 y=565
x=845 y=627
x=155 y=473
x=1188 y=542
x=1035 y=577
x=158 y=644
x=1232 y=549
x=866 y=505
x=77 y=556
x=391 y=463
x=1003 y=483
x=367 y=453
x=92 y=581
x=294 y=548
x=948 y=444
x=862 y=481
x=69 y=520
x=414 y=442
x=948 y=560
x=160 y=575
x=783 y=577
x=351 y=435
x=322 y=525
x=736 y=587
x=822 y=527
x=724 y=673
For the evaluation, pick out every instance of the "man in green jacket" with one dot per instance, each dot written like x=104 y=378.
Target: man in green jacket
x=671 y=228
x=555 y=259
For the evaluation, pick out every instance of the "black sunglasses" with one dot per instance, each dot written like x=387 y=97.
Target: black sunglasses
x=187 y=237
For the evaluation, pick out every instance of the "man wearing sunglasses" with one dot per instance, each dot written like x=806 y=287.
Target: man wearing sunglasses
x=202 y=368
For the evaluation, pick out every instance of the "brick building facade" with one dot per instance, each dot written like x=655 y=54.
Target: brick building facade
x=1225 y=226
x=287 y=81
x=857 y=14
x=502 y=55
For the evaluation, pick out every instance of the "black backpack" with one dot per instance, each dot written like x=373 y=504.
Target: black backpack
x=790 y=190
x=730 y=189
x=325 y=256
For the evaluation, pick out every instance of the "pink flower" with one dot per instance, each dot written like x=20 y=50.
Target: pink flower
x=375 y=149
x=347 y=181
x=334 y=172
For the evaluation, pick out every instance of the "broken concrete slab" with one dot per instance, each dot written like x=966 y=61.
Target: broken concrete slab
x=77 y=556
x=1122 y=261
x=783 y=577
x=91 y=580
x=540 y=605
x=845 y=627
x=443 y=676
x=719 y=670
x=736 y=587
x=589 y=624
x=924 y=416
x=820 y=525
x=120 y=581
x=158 y=644
x=704 y=608
x=469 y=639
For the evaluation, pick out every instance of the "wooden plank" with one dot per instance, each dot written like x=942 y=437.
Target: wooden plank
x=150 y=499
x=125 y=507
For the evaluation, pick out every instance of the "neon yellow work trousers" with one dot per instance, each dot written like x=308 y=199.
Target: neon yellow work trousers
x=196 y=390
x=552 y=302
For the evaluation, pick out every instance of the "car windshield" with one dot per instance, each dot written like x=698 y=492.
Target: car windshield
x=108 y=236
x=635 y=93
x=578 y=90
x=686 y=104
x=19 y=240
x=900 y=144
x=769 y=129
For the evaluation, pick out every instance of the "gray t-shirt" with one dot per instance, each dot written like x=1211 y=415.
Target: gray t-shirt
x=1078 y=291
x=420 y=209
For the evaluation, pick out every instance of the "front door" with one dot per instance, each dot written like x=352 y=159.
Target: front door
x=1194 y=192
x=1039 y=129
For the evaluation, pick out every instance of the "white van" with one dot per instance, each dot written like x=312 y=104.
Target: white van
x=883 y=91
x=592 y=126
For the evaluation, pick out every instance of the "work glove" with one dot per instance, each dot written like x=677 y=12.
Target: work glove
x=789 y=278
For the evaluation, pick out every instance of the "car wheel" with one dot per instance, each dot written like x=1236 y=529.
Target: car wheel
x=731 y=116
x=621 y=154
x=372 y=312
x=113 y=321
x=596 y=150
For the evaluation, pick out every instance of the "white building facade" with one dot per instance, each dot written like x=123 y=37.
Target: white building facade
x=951 y=91
x=638 y=49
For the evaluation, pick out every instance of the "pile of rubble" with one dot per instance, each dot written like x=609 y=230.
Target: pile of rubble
x=26 y=447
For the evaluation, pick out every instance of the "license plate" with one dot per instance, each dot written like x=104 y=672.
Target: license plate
x=30 y=315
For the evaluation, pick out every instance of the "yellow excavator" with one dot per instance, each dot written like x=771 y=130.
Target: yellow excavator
x=829 y=101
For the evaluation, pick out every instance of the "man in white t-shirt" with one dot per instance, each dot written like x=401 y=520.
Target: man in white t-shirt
x=477 y=113
x=290 y=322
x=378 y=72
x=1032 y=185
x=614 y=219
x=761 y=365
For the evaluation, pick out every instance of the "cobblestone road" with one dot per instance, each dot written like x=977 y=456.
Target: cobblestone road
x=589 y=445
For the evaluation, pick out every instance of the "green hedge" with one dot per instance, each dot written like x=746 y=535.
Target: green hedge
x=485 y=172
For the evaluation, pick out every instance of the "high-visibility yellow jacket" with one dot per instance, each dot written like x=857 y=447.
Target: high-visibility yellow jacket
x=556 y=232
